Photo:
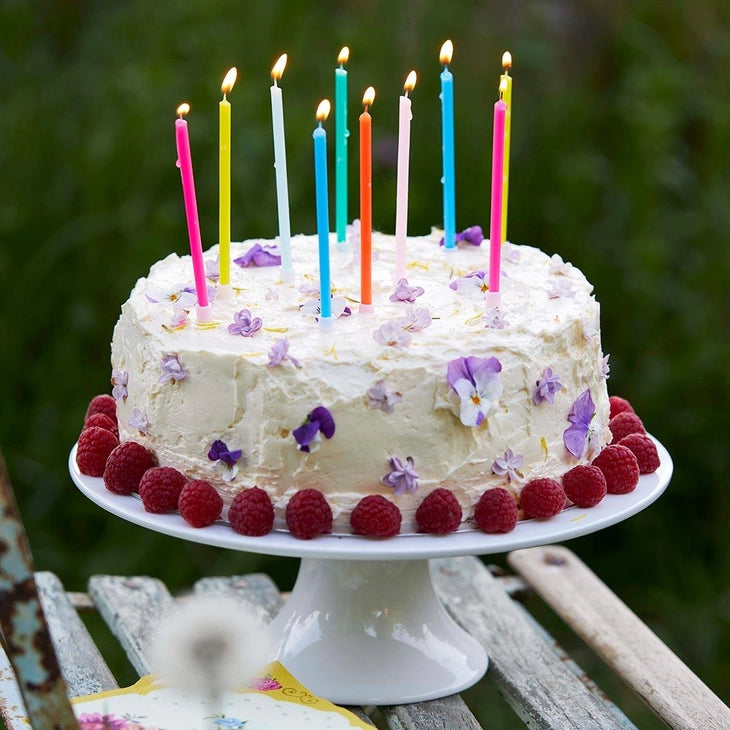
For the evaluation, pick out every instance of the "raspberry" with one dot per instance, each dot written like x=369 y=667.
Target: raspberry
x=585 y=486
x=624 y=424
x=542 y=498
x=376 y=516
x=620 y=467
x=102 y=404
x=496 y=511
x=160 y=489
x=644 y=450
x=95 y=445
x=439 y=513
x=308 y=514
x=199 y=504
x=102 y=421
x=251 y=512
x=125 y=467
x=619 y=405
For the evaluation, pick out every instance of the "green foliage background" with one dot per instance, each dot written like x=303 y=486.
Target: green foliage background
x=621 y=128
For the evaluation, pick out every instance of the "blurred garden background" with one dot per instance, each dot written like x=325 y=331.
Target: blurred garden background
x=620 y=140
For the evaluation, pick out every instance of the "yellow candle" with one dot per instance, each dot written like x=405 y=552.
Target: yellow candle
x=224 y=177
x=505 y=90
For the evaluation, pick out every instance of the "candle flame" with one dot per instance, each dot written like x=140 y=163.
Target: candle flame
x=502 y=87
x=323 y=110
x=278 y=69
x=447 y=51
x=228 y=80
x=506 y=60
x=410 y=83
x=368 y=97
x=344 y=55
x=183 y=109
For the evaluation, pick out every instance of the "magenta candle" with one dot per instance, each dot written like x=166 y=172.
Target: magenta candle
x=185 y=163
x=495 y=224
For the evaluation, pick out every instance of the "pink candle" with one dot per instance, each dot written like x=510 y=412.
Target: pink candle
x=495 y=225
x=401 y=198
x=185 y=163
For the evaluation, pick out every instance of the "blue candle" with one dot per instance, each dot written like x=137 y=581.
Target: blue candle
x=447 y=145
x=323 y=219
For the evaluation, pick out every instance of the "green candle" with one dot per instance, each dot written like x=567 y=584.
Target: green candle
x=341 y=135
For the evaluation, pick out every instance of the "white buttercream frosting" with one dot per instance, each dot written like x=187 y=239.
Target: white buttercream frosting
x=547 y=318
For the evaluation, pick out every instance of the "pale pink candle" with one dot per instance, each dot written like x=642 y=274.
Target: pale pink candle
x=185 y=163
x=495 y=224
x=401 y=200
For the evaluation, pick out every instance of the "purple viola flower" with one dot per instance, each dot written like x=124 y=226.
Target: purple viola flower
x=415 y=319
x=405 y=293
x=220 y=452
x=312 y=308
x=139 y=420
x=401 y=477
x=475 y=284
x=244 y=324
x=120 y=380
x=508 y=466
x=477 y=382
x=580 y=417
x=172 y=369
x=259 y=255
x=279 y=353
x=318 y=421
x=391 y=333
x=472 y=235
x=494 y=319
x=382 y=398
x=546 y=386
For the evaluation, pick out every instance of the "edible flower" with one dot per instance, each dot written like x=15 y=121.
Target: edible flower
x=313 y=308
x=560 y=288
x=415 y=319
x=382 y=398
x=474 y=285
x=546 y=386
x=509 y=465
x=494 y=319
x=405 y=293
x=181 y=296
x=172 y=369
x=472 y=235
x=244 y=324
x=477 y=383
x=259 y=255
x=605 y=368
x=120 y=379
x=220 y=452
x=580 y=417
x=279 y=353
x=318 y=421
x=401 y=477
x=393 y=334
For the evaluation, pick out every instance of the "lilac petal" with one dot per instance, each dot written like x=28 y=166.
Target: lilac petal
x=231 y=457
x=324 y=418
x=278 y=352
x=472 y=235
x=471 y=368
x=216 y=449
x=574 y=439
x=580 y=416
x=304 y=435
x=257 y=255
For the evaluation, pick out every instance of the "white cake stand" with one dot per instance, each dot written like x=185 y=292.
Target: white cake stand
x=363 y=625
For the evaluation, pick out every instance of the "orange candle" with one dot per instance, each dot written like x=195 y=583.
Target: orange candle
x=366 y=202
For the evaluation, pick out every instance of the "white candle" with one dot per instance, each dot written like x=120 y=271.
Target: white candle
x=401 y=200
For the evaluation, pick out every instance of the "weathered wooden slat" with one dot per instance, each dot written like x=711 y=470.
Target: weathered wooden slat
x=132 y=608
x=446 y=713
x=625 y=643
x=12 y=708
x=543 y=692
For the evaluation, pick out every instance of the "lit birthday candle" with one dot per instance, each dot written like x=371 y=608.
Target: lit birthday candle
x=366 y=202
x=401 y=199
x=495 y=224
x=224 y=180
x=185 y=163
x=323 y=221
x=447 y=145
x=282 y=187
x=507 y=98
x=341 y=135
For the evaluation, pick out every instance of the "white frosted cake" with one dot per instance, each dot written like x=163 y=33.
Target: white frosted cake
x=433 y=389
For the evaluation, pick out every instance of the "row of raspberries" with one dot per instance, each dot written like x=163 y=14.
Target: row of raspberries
x=129 y=467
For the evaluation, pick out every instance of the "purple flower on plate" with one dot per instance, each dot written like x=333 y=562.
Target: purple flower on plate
x=259 y=255
x=401 y=477
x=172 y=369
x=415 y=319
x=120 y=380
x=494 y=319
x=580 y=417
x=279 y=353
x=244 y=324
x=382 y=398
x=508 y=466
x=405 y=293
x=477 y=382
x=138 y=420
x=546 y=386
x=472 y=235
x=220 y=452
x=318 y=421
x=392 y=334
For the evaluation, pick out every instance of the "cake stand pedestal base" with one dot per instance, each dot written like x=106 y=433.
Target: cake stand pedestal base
x=362 y=632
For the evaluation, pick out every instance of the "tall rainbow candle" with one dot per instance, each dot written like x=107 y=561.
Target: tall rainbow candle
x=447 y=145
x=341 y=135
x=507 y=98
x=495 y=223
x=282 y=185
x=323 y=220
x=185 y=163
x=401 y=197
x=224 y=179
x=366 y=202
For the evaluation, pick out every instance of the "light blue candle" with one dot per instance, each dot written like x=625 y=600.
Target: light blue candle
x=447 y=146
x=323 y=219
x=341 y=135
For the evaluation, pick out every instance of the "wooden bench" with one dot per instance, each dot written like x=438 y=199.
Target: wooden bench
x=542 y=685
